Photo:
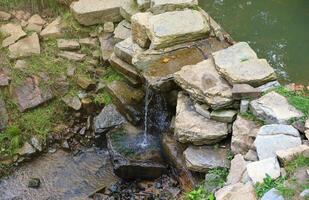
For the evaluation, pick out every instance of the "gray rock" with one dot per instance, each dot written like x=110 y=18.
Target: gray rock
x=72 y=102
x=251 y=155
x=287 y=155
x=143 y=4
x=13 y=33
x=166 y=29
x=258 y=170
x=239 y=64
x=140 y=25
x=53 y=30
x=122 y=31
x=69 y=45
x=91 y=12
x=272 y=194
x=244 y=106
x=191 y=127
x=78 y=57
x=203 y=158
x=109 y=27
x=4 y=118
x=128 y=9
x=26 y=150
x=275 y=137
x=274 y=108
x=237 y=170
x=126 y=50
x=108 y=118
x=237 y=191
x=203 y=82
x=159 y=6
x=244 y=133
x=269 y=86
x=107 y=45
x=36 y=143
x=245 y=91
x=202 y=109
x=226 y=116
x=89 y=42
x=304 y=194
x=25 y=47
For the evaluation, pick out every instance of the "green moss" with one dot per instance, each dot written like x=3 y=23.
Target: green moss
x=111 y=75
x=103 y=98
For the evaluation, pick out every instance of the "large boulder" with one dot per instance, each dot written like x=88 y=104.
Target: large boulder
x=204 y=84
x=167 y=29
x=91 y=12
x=275 y=137
x=131 y=158
x=191 y=127
x=274 y=108
x=259 y=170
x=162 y=6
x=203 y=158
x=13 y=32
x=244 y=133
x=236 y=191
x=239 y=64
x=25 y=47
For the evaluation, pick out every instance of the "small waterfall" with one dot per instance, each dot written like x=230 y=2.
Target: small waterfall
x=146 y=109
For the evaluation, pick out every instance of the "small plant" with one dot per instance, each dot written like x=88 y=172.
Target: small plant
x=111 y=76
x=10 y=140
x=268 y=184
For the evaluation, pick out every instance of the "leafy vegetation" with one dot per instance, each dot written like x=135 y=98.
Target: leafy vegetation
x=103 y=98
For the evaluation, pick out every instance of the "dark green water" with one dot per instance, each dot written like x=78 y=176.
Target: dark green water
x=277 y=30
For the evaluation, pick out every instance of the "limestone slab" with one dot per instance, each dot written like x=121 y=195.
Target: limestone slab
x=162 y=6
x=25 y=47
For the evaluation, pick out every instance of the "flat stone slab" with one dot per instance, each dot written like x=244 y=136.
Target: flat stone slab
x=236 y=192
x=201 y=159
x=258 y=170
x=167 y=29
x=225 y=116
x=239 y=64
x=275 y=137
x=25 y=47
x=191 y=127
x=53 y=30
x=13 y=32
x=203 y=83
x=245 y=91
x=29 y=94
x=162 y=6
x=69 y=45
x=274 y=108
x=286 y=155
x=127 y=49
x=237 y=170
x=107 y=44
x=91 y=12
x=72 y=56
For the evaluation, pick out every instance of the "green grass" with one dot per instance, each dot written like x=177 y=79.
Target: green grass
x=10 y=141
x=249 y=116
x=111 y=76
x=103 y=98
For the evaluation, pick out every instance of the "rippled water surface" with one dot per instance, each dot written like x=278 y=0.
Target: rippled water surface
x=278 y=30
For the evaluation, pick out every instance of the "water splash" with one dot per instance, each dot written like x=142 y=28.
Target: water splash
x=146 y=109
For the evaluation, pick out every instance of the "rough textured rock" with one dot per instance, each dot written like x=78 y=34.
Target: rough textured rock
x=236 y=192
x=286 y=155
x=86 y=83
x=245 y=91
x=109 y=27
x=191 y=127
x=274 y=108
x=238 y=64
x=237 y=170
x=4 y=16
x=203 y=82
x=25 y=47
x=244 y=133
x=226 y=116
x=166 y=29
x=35 y=23
x=91 y=12
x=4 y=118
x=108 y=118
x=73 y=102
x=13 y=32
x=203 y=158
x=275 y=137
x=128 y=9
x=122 y=31
x=69 y=45
x=53 y=30
x=269 y=86
x=244 y=106
x=258 y=170
x=143 y=4
x=272 y=194
x=251 y=155
x=4 y=77
x=140 y=25
x=202 y=109
x=29 y=94
x=78 y=57
x=162 y=6
x=127 y=49
x=107 y=45
x=89 y=42
x=26 y=150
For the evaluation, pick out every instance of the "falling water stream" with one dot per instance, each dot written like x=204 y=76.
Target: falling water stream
x=147 y=101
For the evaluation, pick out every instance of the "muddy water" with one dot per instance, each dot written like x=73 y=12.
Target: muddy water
x=63 y=177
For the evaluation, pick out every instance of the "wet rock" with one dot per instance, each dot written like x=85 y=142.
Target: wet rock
x=107 y=45
x=236 y=191
x=269 y=86
x=272 y=138
x=166 y=29
x=29 y=94
x=191 y=127
x=272 y=194
x=127 y=99
x=128 y=8
x=69 y=45
x=53 y=30
x=4 y=78
x=4 y=16
x=4 y=118
x=13 y=32
x=244 y=133
x=287 y=155
x=274 y=108
x=25 y=47
x=226 y=116
x=72 y=102
x=34 y=183
x=126 y=50
x=108 y=118
x=86 y=83
x=258 y=170
x=122 y=31
x=238 y=64
x=109 y=27
x=89 y=42
x=159 y=6
x=237 y=170
x=78 y=57
x=203 y=158
x=140 y=25
x=91 y=12
x=245 y=91
x=130 y=159
x=203 y=82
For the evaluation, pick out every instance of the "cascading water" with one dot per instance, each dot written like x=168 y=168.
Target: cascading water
x=147 y=101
